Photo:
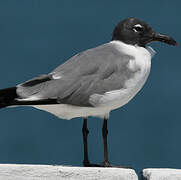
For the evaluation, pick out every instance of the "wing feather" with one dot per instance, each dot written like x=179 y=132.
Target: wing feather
x=94 y=71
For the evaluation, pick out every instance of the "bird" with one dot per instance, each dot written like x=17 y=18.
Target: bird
x=93 y=82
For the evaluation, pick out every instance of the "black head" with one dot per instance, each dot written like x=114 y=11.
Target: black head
x=136 y=32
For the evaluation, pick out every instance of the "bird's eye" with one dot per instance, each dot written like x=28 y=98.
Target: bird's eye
x=138 y=28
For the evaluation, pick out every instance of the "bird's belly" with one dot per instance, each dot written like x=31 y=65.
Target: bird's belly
x=65 y=111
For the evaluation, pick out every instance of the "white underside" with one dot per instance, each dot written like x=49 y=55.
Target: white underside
x=65 y=111
x=113 y=99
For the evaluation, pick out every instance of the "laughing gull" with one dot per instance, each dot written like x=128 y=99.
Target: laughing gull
x=93 y=82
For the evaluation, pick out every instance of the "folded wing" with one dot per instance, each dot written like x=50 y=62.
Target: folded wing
x=94 y=71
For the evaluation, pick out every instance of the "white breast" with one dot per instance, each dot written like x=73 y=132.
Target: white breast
x=113 y=99
x=142 y=60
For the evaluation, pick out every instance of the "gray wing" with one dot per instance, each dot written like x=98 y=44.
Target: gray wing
x=94 y=71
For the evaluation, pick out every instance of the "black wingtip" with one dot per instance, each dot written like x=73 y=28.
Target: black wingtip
x=7 y=96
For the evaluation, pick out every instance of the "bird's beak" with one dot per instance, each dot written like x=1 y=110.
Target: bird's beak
x=164 y=38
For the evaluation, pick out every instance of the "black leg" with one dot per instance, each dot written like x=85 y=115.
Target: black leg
x=105 y=163
x=85 y=133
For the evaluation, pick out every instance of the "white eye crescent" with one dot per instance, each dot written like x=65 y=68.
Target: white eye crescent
x=138 y=25
x=137 y=28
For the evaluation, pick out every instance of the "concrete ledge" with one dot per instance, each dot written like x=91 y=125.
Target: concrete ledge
x=161 y=174
x=37 y=172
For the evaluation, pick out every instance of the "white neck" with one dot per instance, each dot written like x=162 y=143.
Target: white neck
x=133 y=49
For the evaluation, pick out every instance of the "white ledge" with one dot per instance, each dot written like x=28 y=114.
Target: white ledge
x=161 y=174
x=37 y=172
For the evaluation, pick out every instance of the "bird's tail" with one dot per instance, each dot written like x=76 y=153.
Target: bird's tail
x=7 y=97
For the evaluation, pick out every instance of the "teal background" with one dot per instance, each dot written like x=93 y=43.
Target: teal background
x=38 y=35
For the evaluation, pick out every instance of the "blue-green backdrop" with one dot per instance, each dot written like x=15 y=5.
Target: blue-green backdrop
x=38 y=35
